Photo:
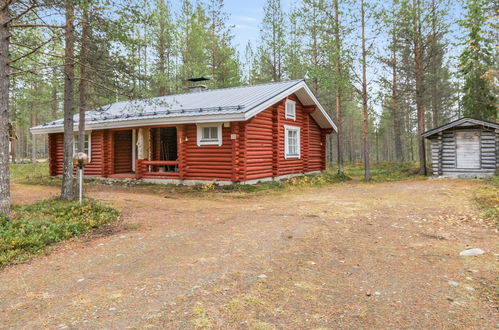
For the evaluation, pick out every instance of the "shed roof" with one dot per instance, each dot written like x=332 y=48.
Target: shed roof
x=220 y=105
x=461 y=122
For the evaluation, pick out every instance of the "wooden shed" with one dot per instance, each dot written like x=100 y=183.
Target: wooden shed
x=466 y=147
x=244 y=134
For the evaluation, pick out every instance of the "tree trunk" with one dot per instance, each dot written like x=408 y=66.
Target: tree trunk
x=83 y=79
x=339 y=142
x=33 y=137
x=4 y=108
x=13 y=144
x=365 y=110
x=418 y=70
x=434 y=55
x=161 y=50
x=67 y=189
x=399 y=156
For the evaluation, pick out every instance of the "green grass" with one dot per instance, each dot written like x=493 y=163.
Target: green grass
x=37 y=174
x=487 y=199
x=33 y=227
x=33 y=174
x=384 y=172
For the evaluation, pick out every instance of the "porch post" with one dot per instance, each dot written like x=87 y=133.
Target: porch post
x=181 y=150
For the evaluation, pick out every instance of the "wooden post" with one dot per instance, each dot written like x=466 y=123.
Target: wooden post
x=242 y=151
x=181 y=151
x=138 y=169
x=234 y=138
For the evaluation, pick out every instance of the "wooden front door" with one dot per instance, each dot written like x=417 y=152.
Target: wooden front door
x=468 y=149
x=123 y=151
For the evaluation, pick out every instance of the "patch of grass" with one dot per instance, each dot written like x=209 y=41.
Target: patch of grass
x=33 y=174
x=487 y=199
x=32 y=227
x=201 y=321
x=385 y=172
x=312 y=180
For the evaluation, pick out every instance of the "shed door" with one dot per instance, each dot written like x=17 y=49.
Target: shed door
x=468 y=149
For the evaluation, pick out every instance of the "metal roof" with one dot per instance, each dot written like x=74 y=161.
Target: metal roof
x=228 y=104
x=465 y=121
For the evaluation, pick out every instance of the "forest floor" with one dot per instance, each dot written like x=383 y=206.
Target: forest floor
x=351 y=255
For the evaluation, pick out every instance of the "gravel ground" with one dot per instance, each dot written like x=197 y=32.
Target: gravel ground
x=352 y=255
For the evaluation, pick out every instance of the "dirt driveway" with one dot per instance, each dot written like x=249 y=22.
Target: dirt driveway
x=353 y=255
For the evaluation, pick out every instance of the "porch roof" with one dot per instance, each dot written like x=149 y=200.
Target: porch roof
x=220 y=105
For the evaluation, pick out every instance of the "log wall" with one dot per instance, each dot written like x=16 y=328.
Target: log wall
x=444 y=154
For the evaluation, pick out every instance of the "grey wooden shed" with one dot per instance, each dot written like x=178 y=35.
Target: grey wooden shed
x=466 y=147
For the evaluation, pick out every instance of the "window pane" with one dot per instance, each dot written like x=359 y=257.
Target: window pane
x=292 y=142
x=214 y=132
x=290 y=109
x=206 y=133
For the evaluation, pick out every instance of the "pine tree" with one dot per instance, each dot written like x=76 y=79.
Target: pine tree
x=164 y=35
x=476 y=61
x=223 y=63
x=272 y=34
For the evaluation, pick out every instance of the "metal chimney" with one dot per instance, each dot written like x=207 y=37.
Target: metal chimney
x=197 y=87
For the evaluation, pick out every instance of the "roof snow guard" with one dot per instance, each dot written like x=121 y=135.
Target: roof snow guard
x=461 y=122
x=220 y=105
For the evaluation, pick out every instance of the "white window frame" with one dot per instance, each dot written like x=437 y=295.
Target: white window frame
x=287 y=129
x=217 y=142
x=75 y=144
x=290 y=104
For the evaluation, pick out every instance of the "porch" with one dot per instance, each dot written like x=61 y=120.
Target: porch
x=146 y=152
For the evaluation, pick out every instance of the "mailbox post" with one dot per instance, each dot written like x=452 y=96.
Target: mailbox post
x=80 y=160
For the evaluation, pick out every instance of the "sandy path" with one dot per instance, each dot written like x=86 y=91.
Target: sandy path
x=352 y=255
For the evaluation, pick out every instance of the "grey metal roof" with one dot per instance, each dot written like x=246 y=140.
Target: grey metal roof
x=210 y=105
x=465 y=121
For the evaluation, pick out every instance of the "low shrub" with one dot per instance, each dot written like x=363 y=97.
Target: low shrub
x=487 y=199
x=32 y=227
x=383 y=172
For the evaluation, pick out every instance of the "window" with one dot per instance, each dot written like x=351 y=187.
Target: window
x=291 y=142
x=209 y=134
x=87 y=147
x=290 y=109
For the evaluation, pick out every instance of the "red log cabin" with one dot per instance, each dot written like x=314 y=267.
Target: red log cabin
x=234 y=135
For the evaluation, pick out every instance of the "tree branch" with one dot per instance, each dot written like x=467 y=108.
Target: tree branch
x=24 y=12
x=37 y=25
x=33 y=50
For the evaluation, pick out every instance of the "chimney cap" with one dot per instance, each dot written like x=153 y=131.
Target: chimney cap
x=198 y=79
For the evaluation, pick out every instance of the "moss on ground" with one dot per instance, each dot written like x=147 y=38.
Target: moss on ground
x=385 y=171
x=32 y=227
x=486 y=198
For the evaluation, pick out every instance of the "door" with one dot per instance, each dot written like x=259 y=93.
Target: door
x=123 y=151
x=468 y=149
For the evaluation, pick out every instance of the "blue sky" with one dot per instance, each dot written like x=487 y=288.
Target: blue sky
x=246 y=17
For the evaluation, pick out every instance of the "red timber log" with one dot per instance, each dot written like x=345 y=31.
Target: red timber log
x=275 y=140
x=209 y=162
x=97 y=161
x=234 y=138
x=52 y=146
x=316 y=147
x=259 y=146
x=243 y=133
x=122 y=151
